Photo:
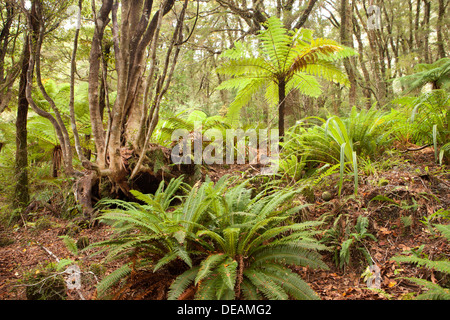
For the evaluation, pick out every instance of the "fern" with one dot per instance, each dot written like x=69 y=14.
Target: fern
x=434 y=291
x=290 y=282
x=207 y=265
x=286 y=57
x=182 y=282
x=246 y=236
x=112 y=279
x=70 y=244
x=225 y=237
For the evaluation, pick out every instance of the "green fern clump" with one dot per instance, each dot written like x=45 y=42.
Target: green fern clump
x=433 y=291
x=154 y=233
x=253 y=243
x=342 y=240
x=224 y=241
x=187 y=122
x=423 y=120
x=337 y=140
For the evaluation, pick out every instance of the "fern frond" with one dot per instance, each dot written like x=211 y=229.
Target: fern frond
x=288 y=254
x=249 y=290
x=276 y=42
x=70 y=244
x=290 y=281
x=434 y=291
x=441 y=265
x=181 y=283
x=207 y=265
x=112 y=279
x=444 y=229
x=265 y=284
x=228 y=272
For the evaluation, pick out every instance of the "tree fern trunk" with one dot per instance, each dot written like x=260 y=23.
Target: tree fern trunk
x=281 y=106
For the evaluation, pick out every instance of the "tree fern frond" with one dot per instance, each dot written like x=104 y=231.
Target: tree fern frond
x=243 y=96
x=305 y=83
x=245 y=66
x=276 y=42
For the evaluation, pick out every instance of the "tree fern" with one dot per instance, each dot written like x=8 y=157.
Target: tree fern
x=436 y=73
x=285 y=61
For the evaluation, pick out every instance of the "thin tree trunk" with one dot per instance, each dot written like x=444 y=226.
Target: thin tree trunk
x=35 y=39
x=416 y=27
x=346 y=11
x=376 y=62
x=426 y=31
x=22 y=196
x=98 y=131
x=73 y=123
x=366 y=89
x=439 y=24
x=281 y=107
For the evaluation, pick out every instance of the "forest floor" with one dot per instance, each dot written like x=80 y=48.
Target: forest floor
x=413 y=181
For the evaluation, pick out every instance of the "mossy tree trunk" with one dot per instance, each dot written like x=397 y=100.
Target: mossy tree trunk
x=22 y=196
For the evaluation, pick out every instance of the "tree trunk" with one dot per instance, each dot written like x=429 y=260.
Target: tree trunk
x=367 y=86
x=439 y=24
x=76 y=136
x=98 y=131
x=281 y=107
x=36 y=23
x=346 y=11
x=22 y=196
x=376 y=62
x=426 y=31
